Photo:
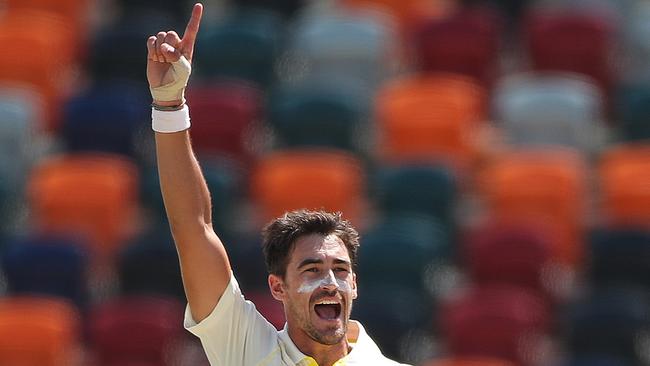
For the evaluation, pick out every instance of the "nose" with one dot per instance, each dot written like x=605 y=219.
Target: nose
x=329 y=282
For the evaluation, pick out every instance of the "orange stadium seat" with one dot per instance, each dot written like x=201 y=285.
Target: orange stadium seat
x=89 y=195
x=74 y=11
x=430 y=119
x=39 y=51
x=38 y=331
x=310 y=179
x=547 y=186
x=625 y=185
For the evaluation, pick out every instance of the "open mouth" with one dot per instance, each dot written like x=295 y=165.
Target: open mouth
x=328 y=310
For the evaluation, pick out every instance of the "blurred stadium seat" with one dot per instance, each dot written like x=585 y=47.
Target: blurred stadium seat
x=293 y=179
x=578 y=41
x=465 y=42
x=624 y=174
x=318 y=115
x=496 y=321
x=38 y=331
x=47 y=266
x=225 y=119
x=545 y=185
x=550 y=108
x=136 y=329
x=429 y=118
x=241 y=47
x=89 y=195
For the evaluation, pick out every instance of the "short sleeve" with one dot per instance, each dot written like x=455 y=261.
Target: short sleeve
x=233 y=326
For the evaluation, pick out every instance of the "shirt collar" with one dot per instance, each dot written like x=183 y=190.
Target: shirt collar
x=362 y=345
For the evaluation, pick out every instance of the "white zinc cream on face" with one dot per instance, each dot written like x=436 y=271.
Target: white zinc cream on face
x=328 y=280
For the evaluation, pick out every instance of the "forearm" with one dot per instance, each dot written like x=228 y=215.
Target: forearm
x=185 y=193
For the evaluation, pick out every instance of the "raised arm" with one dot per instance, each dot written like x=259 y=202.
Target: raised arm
x=204 y=263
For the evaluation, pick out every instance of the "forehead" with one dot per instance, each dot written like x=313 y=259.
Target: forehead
x=318 y=246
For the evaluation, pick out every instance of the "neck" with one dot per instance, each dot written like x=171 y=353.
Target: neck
x=323 y=354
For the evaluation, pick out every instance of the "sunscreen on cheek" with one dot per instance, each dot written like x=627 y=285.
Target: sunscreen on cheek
x=328 y=280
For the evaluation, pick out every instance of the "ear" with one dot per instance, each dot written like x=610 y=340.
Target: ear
x=354 y=285
x=276 y=285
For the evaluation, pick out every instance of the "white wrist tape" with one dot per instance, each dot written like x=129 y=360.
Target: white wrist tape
x=169 y=122
x=180 y=72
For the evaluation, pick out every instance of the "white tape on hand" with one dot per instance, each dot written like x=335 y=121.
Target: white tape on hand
x=175 y=90
x=170 y=121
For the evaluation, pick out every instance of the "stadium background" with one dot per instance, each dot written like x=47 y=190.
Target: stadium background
x=493 y=154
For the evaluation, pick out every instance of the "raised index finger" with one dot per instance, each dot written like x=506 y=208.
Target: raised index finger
x=192 y=29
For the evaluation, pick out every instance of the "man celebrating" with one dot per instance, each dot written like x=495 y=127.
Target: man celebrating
x=310 y=255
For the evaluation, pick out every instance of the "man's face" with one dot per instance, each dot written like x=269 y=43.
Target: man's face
x=318 y=288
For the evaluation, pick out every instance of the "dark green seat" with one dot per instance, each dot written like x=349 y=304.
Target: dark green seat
x=633 y=106
x=223 y=184
x=243 y=47
x=419 y=189
x=400 y=249
x=315 y=114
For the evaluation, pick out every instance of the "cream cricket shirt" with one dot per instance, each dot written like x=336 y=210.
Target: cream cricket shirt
x=236 y=334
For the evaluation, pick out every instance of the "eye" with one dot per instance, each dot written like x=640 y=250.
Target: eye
x=311 y=269
x=341 y=270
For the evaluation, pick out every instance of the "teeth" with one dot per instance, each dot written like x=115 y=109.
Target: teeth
x=327 y=302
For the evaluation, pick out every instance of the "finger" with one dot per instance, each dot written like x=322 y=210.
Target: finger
x=170 y=53
x=151 y=48
x=192 y=29
x=172 y=39
x=160 y=39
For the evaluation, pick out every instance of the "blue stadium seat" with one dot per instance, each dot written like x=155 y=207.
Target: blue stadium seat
x=633 y=108
x=107 y=118
x=612 y=321
x=54 y=266
x=620 y=257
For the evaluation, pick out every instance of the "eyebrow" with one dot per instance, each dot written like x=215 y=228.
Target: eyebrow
x=309 y=261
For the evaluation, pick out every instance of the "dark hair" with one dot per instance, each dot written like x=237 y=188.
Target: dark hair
x=280 y=235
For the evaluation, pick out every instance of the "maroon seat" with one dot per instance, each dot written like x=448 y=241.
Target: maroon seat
x=495 y=321
x=223 y=119
x=466 y=43
x=509 y=252
x=136 y=330
x=575 y=42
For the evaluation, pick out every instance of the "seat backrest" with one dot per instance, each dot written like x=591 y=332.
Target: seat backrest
x=625 y=185
x=548 y=186
x=225 y=120
x=314 y=114
x=37 y=331
x=138 y=328
x=464 y=42
x=244 y=46
x=429 y=118
x=28 y=36
x=89 y=195
x=354 y=46
x=310 y=179
x=495 y=321
x=49 y=266
x=568 y=41
x=550 y=108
